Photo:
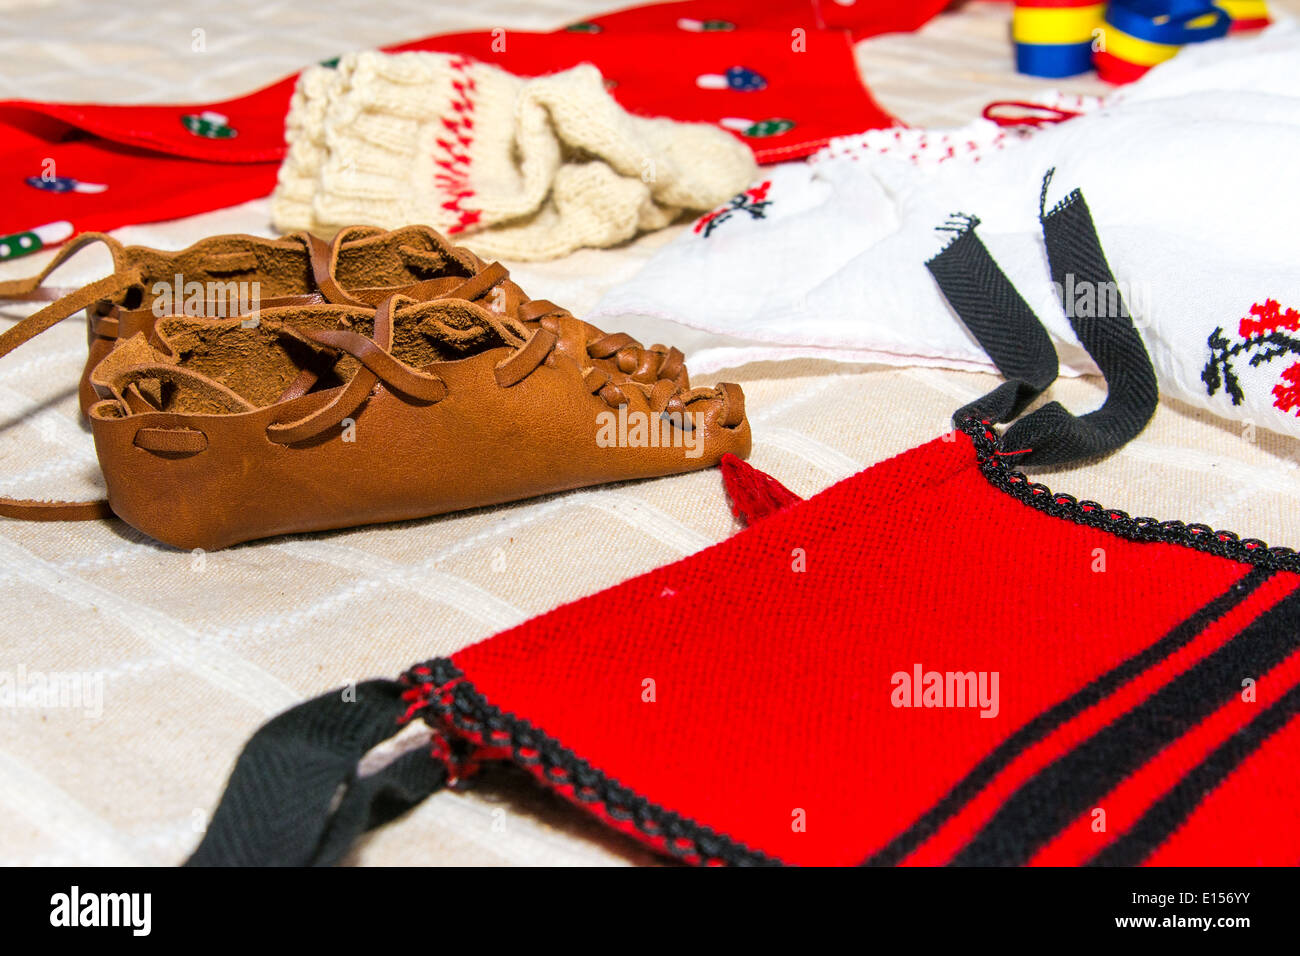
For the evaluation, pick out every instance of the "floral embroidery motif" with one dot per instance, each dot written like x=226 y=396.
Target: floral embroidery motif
x=209 y=125
x=691 y=25
x=753 y=201
x=34 y=240
x=63 y=184
x=774 y=126
x=741 y=79
x=1263 y=336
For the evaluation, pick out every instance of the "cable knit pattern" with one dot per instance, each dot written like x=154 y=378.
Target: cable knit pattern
x=516 y=168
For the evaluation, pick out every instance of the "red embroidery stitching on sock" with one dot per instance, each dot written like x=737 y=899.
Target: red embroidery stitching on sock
x=454 y=155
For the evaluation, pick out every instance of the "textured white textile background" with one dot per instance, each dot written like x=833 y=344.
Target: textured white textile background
x=195 y=654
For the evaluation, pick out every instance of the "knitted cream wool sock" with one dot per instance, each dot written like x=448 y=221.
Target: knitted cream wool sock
x=517 y=168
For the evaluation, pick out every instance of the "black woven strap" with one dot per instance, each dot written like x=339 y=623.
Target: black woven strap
x=1019 y=346
x=295 y=797
x=1006 y=328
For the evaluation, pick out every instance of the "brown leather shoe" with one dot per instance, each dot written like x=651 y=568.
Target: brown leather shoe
x=328 y=416
x=229 y=275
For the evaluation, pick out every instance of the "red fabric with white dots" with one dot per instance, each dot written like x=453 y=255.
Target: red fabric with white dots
x=780 y=75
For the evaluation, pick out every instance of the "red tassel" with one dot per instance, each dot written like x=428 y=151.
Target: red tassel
x=754 y=494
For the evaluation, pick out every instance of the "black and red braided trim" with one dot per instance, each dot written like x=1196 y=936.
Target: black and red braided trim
x=993 y=463
x=440 y=694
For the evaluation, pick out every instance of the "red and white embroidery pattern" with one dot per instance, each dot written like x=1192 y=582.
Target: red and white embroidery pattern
x=931 y=147
x=1263 y=336
x=753 y=201
x=454 y=148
